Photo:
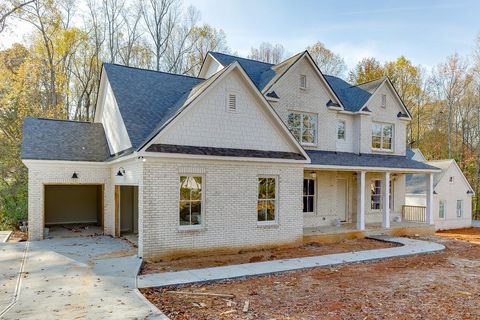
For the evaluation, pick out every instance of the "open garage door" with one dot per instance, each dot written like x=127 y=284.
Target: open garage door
x=73 y=204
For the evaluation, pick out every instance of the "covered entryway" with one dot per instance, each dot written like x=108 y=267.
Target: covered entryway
x=126 y=208
x=73 y=207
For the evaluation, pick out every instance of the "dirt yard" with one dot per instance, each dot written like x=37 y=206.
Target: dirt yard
x=307 y=250
x=443 y=285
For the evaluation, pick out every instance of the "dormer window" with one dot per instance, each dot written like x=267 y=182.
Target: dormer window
x=232 y=102
x=303 y=81
x=384 y=100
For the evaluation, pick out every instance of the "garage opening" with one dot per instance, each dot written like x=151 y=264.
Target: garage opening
x=77 y=208
x=127 y=208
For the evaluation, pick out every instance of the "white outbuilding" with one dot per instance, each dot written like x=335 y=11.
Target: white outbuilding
x=452 y=195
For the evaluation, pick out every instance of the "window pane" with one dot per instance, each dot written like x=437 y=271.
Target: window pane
x=293 y=120
x=377 y=130
x=305 y=186
x=270 y=188
x=311 y=187
x=296 y=133
x=308 y=136
x=387 y=131
x=310 y=204
x=195 y=184
x=184 y=190
x=341 y=130
x=184 y=213
x=270 y=210
x=262 y=188
x=387 y=143
x=196 y=213
x=261 y=210
x=376 y=142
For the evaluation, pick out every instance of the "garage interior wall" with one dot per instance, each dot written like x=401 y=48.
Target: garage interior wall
x=67 y=204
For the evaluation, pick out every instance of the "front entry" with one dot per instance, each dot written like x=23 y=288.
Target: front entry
x=342 y=202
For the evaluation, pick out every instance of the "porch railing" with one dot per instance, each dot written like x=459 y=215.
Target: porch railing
x=414 y=213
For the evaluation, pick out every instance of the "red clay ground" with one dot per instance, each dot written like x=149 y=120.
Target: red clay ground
x=307 y=250
x=443 y=285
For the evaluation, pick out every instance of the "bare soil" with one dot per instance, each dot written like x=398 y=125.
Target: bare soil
x=18 y=236
x=444 y=285
x=306 y=250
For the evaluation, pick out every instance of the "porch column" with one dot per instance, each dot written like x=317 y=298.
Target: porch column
x=429 y=209
x=386 y=200
x=361 y=200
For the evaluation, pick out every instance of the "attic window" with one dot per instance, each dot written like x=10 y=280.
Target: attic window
x=232 y=102
x=384 y=100
x=303 y=81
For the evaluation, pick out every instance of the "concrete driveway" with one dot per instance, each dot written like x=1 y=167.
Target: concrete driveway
x=71 y=278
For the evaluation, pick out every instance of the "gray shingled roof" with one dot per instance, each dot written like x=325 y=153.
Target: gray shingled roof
x=147 y=98
x=223 y=152
x=352 y=97
x=259 y=72
x=49 y=139
x=346 y=159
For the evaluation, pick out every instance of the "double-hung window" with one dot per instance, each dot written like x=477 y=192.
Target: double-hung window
x=267 y=199
x=382 y=136
x=191 y=198
x=308 y=194
x=441 y=209
x=303 y=126
x=459 y=208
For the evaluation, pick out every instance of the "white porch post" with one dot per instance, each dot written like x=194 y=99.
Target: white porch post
x=429 y=209
x=386 y=200
x=361 y=200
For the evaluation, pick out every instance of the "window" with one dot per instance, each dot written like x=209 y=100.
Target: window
x=382 y=136
x=308 y=194
x=303 y=126
x=232 y=102
x=267 y=199
x=341 y=130
x=459 y=208
x=451 y=179
x=303 y=81
x=190 y=204
x=376 y=198
x=441 y=209
x=384 y=100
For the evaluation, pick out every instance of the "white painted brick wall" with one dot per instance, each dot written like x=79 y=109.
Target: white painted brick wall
x=230 y=206
x=41 y=174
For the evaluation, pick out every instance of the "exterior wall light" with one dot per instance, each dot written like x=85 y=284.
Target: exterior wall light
x=121 y=172
x=74 y=175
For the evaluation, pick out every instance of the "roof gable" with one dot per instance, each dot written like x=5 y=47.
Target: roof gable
x=146 y=98
x=386 y=83
x=209 y=101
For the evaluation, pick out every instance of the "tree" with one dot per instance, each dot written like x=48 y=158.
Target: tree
x=328 y=62
x=367 y=69
x=9 y=8
x=267 y=52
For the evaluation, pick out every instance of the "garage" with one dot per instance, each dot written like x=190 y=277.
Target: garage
x=73 y=205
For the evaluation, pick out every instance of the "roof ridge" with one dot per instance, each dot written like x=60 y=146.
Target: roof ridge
x=156 y=71
x=230 y=55
x=60 y=120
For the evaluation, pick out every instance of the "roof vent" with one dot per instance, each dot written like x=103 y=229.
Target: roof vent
x=365 y=109
x=402 y=115
x=330 y=103
x=273 y=95
x=232 y=102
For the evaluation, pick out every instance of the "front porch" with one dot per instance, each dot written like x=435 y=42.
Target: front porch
x=331 y=234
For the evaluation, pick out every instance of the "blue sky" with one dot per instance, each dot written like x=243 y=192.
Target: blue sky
x=426 y=31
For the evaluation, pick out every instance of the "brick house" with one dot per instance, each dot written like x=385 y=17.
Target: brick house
x=247 y=154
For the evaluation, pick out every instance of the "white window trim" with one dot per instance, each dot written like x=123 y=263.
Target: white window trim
x=202 y=212
x=344 y=139
x=381 y=137
x=314 y=207
x=444 y=209
x=461 y=209
x=301 y=113
x=271 y=222
x=302 y=85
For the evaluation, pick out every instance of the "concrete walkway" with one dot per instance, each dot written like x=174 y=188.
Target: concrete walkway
x=476 y=223
x=72 y=278
x=4 y=236
x=409 y=247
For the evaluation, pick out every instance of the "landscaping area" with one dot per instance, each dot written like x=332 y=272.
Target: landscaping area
x=441 y=285
x=247 y=256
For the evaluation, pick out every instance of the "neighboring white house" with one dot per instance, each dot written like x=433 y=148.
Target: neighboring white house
x=452 y=195
x=248 y=154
